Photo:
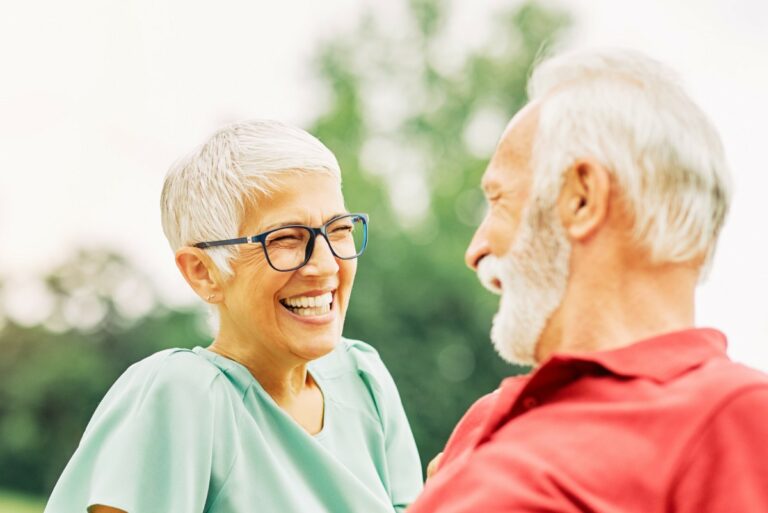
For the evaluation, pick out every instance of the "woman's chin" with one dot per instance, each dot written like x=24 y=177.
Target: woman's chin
x=312 y=336
x=312 y=348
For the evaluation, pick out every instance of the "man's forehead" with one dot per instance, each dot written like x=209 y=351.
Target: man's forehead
x=513 y=153
x=521 y=129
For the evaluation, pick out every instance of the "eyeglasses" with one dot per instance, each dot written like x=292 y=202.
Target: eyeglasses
x=290 y=247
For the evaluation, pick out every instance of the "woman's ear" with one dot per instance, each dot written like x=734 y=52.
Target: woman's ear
x=201 y=273
x=584 y=198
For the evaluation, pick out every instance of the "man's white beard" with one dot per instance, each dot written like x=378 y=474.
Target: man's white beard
x=533 y=277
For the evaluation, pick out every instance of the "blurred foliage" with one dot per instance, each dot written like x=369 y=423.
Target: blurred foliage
x=412 y=116
x=15 y=503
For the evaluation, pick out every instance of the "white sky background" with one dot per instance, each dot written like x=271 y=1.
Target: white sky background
x=98 y=98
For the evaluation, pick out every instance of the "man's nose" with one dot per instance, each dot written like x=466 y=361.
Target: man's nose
x=478 y=248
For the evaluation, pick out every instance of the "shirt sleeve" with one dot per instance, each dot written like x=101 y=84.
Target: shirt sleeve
x=727 y=467
x=466 y=431
x=403 y=462
x=148 y=446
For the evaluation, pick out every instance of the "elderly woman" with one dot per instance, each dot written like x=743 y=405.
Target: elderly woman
x=280 y=413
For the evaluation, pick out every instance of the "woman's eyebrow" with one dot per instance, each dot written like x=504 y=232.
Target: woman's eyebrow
x=281 y=224
x=335 y=215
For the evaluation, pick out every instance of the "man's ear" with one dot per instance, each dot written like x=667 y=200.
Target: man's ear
x=584 y=198
x=201 y=273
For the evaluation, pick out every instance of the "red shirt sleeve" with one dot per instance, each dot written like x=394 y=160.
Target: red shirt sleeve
x=726 y=468
x=466 y=431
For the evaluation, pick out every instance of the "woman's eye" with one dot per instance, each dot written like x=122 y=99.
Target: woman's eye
x=342 y=229
x=284 y=238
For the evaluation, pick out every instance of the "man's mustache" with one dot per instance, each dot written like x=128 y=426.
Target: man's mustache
x=488 y=273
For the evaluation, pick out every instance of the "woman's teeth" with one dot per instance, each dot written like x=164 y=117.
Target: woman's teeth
x=305 y=312
x=309 y=305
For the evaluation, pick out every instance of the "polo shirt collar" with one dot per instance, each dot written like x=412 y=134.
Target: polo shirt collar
x=660 y=358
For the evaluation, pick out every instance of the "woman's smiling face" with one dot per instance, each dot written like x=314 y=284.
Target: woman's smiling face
x=256 y=300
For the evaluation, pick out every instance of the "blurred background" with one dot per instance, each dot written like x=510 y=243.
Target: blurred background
x=98 y=98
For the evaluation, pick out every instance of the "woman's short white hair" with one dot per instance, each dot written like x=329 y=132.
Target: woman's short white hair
x=204 y=193
x=631 y=113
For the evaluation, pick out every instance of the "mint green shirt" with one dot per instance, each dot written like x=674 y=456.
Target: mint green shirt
x=189 y=431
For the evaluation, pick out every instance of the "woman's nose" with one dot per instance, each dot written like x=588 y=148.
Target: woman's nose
x=322 y=260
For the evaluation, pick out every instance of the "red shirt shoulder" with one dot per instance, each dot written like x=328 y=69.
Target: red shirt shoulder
x=471 y=425
x=729 y=455
x=718 y=381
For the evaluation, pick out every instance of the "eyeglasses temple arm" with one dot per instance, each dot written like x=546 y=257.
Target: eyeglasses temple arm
x=226 y=242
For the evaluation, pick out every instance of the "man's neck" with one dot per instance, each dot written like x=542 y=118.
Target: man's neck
x=607 y=310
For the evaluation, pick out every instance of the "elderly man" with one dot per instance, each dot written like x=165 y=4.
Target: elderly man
x=607 y=193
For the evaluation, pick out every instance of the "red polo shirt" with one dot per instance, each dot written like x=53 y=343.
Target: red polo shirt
x=668 y=424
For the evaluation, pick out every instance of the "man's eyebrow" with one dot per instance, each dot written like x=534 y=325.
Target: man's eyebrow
x=281 y=224
x=490 y=187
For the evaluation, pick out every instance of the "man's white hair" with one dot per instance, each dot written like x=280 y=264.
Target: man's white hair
x=631 y=114
x=205 y=193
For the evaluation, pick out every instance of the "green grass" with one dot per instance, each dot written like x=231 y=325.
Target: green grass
x=11 y=502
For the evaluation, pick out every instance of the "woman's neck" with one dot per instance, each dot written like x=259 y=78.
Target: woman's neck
x=284 y=377
x=286 y=380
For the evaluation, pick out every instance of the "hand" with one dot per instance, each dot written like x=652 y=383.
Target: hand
x=98 y=508
x=432 y=467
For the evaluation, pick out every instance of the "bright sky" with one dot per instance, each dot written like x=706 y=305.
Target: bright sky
x=98 y=98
